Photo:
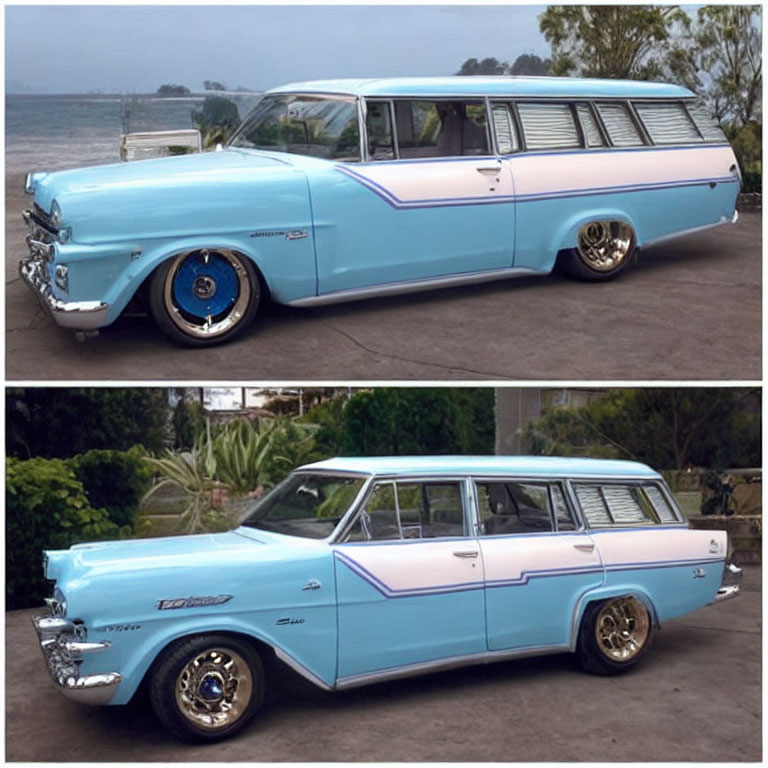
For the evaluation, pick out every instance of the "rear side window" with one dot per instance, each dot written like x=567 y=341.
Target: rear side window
x=668 y=123
x=620 y=126
x=504 y=126
x=615 y=504
x=592 y=134
x=706 y=124
x=441 y=129
x=660 y=504
x=548 y=126
x=520 y=507
x=378 y=123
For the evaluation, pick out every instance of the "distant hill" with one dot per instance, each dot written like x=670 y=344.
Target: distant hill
x=16 y=86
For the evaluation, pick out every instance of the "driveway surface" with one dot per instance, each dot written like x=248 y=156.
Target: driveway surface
x=696 y=697
x=690 y=309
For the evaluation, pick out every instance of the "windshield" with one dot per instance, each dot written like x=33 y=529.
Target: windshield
x=302 y=125
x=305 y=505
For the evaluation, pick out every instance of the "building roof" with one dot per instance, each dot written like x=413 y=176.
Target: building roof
x=491 y=86
x=526 y=466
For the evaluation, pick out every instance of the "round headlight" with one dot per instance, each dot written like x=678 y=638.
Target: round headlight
x=55 y=214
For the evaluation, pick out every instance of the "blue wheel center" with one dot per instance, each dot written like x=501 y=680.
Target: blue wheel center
x=205 y=285
x=210 y=688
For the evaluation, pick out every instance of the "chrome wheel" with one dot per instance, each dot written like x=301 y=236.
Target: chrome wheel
x=214 y=689
x=207 y=292
x=605 y=245
x=622 y=629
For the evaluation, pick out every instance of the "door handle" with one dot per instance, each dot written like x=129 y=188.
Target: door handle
x=472 y=553
x=584 y=547
x=489 y=168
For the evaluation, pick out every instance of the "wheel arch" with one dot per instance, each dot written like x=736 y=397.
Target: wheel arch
x=609 y=593
x=155 y=257
x=565 y=236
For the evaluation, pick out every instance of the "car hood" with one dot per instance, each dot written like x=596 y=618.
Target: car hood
x=158 y=172
x=214 y=550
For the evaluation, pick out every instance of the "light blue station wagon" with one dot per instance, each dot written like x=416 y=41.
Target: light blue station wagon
x=338 y=190
x=357 y=570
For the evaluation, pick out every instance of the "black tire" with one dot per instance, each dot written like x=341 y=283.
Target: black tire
x=181 y=294
x=177 y=697
x=585 y=262
x=604 y=658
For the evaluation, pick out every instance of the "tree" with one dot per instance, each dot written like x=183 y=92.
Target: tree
x=216 y=121
x=167 y=90
x=62 y=422
x=529 y=64
x=214 y=85
x=668 y=427
x=487 y=66
x=629 y=41
x=727 y=61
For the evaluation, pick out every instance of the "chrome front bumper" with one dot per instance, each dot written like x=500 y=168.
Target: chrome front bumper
x=63 y=645
x=78 y=315
x=731 y=583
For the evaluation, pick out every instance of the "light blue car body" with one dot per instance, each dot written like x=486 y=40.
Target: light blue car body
x=362 y=238
x=345 y=613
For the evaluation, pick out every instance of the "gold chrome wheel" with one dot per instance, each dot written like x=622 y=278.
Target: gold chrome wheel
x=605 y=245
x=622 y=629
x=214 y=689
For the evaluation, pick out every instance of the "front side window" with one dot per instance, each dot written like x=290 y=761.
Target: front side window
x=410 y=510
x=441 y=129
x=615 y=504
x=548 y=126
x=620 y=126
x=302 y=125
x=378 y=123
x=305 y=505
x=668 y=123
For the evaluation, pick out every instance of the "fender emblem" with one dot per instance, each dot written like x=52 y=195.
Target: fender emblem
x=192 y=602
x=714 y=547
x=699 y=573
x=284 y=622
x=296 y=234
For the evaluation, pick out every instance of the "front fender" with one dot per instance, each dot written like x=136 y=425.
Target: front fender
x=605 y=593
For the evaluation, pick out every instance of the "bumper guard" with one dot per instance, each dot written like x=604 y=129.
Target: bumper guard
x=62 y=643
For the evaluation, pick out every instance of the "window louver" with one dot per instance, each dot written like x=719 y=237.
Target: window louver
x=620 y=126
x=706 y=124
x=663 y=510
x=668 y=123
x=623 y=505
x=548 y=126
x=506 y=138
x=593 y=505
x=589 y=126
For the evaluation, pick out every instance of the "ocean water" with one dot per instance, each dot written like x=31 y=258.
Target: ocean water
x=56 y=132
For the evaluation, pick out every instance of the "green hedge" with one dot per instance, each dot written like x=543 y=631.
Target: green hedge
x=45 y=508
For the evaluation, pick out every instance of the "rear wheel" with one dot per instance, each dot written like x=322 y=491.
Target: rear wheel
x=204 y=297
x=604 y=250
x=614 y=635
x=207 y=687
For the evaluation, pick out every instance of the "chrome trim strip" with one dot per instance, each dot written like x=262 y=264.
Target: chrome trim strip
x=302 y=670
x=693 y=230
x=413 y=286
x=453 y=662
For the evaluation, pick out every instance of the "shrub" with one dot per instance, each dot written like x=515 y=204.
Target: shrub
x=46 y=508
x=115 y=480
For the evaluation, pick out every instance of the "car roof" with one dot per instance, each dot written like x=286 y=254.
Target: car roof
x=526 y=466
x=489 y=86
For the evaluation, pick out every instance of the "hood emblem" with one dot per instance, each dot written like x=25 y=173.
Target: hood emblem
x=192 y=602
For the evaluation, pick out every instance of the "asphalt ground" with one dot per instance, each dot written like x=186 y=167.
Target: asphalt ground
x=695 y=697
x=689 y=309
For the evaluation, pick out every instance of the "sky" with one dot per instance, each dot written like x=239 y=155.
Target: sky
x=138 y=48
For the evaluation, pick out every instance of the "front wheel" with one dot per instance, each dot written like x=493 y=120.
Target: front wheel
x=204 y=297
x=613 y=636
x=604 y=249
x=207 y=687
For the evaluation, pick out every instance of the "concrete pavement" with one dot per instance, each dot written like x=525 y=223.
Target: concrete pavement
x=696 y=697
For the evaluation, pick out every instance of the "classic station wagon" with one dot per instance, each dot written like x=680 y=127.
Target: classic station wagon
x=343 y=189
x=353 y=571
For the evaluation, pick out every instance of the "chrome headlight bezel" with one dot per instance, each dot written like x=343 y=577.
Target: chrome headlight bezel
x=55 y=214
